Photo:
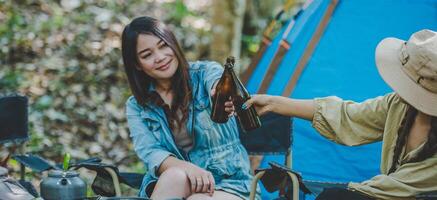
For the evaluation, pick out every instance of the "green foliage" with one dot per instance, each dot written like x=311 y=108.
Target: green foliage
x=251 y=43
x=10 y=80
x=178 y=11
x=65 y=55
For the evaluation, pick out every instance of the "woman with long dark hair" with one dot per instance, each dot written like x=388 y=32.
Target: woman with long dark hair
x=405 y=121
x=186 y=154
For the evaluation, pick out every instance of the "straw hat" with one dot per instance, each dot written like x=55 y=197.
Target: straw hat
x=410 y=68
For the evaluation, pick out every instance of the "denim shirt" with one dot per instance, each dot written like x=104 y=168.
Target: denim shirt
x=217 y=147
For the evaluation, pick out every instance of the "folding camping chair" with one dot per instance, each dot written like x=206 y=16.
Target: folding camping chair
x=106 y=183
x=272 y=138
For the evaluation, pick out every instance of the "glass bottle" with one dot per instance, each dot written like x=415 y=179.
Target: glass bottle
x=248 y=118
x=223 y=92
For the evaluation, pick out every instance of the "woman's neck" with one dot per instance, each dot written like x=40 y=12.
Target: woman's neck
x=423 y=119
x=163 y=86
x=418 y=132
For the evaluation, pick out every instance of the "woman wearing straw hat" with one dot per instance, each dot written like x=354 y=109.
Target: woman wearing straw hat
x=405 y=120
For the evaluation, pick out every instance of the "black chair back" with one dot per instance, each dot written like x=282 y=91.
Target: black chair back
x=13 y=119
x=273 y=137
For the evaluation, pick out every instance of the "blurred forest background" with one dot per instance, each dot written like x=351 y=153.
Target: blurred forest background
x=65 y=56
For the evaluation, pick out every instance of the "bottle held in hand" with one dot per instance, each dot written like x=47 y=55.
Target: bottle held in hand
x=248 y=118
x=223 y=91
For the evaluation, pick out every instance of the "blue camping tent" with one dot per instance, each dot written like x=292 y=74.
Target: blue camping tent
x=342 y=64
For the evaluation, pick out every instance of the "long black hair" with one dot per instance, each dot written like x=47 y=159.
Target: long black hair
x=430 y=147
x=139 y=81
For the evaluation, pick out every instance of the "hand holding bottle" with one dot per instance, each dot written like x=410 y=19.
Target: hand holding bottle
x=229 y=106
x=261 y=102
x=229 y=87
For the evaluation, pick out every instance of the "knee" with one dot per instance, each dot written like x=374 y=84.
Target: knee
x=175 y=175
x=172 y=184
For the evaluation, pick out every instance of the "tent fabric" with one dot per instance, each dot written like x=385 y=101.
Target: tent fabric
x=304 y=27
x=342 y=65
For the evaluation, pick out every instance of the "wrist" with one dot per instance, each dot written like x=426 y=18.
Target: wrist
x=273 y=104
x=189 y=165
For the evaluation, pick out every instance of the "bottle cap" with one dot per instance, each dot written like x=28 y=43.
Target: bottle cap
x=230 y=61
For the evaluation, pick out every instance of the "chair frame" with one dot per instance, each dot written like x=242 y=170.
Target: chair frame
x=288 y=164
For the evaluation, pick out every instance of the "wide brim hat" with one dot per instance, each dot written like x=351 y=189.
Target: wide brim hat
x=410 y=68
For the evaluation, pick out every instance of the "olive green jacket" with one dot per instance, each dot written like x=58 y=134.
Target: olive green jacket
x=373 y=120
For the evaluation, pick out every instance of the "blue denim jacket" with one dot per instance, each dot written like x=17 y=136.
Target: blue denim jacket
x=217 y=147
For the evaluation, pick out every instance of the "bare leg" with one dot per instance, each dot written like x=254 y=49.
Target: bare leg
x=218 y=195
x=255 y=161
x=173 y=183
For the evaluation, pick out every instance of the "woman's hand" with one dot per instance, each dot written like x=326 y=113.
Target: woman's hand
x=229 y=107
x=263 y=103
x=282 y=105
x=201 y=180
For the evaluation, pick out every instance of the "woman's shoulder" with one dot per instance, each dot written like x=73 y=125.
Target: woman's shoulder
x=388 y=98
x=132 y=105
x=203 y=65
x=393 y=99
x=131 y=101
x=135 y=108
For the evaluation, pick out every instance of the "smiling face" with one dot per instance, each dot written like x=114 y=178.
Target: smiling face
x=155 y=57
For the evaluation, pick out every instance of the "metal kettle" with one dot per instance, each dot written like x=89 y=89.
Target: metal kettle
x=63 y=185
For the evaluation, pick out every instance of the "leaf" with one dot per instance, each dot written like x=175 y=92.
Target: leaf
x=66 y=163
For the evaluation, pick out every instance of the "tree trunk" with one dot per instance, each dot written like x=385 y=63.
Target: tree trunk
x=227 y=20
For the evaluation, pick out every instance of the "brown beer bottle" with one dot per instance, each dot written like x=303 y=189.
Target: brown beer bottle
x=223 y=91
x=248 y=118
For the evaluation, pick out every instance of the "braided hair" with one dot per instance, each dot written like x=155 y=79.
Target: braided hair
x=429 y=148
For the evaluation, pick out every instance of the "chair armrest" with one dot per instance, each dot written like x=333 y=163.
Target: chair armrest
x=255 y=180
x=279 y=177
x=33 y=162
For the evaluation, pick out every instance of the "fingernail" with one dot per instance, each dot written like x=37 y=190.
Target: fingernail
x=244 y=106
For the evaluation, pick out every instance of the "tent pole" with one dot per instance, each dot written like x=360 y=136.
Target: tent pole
x=310 y=49
x=280 y=53
x=265 y=42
